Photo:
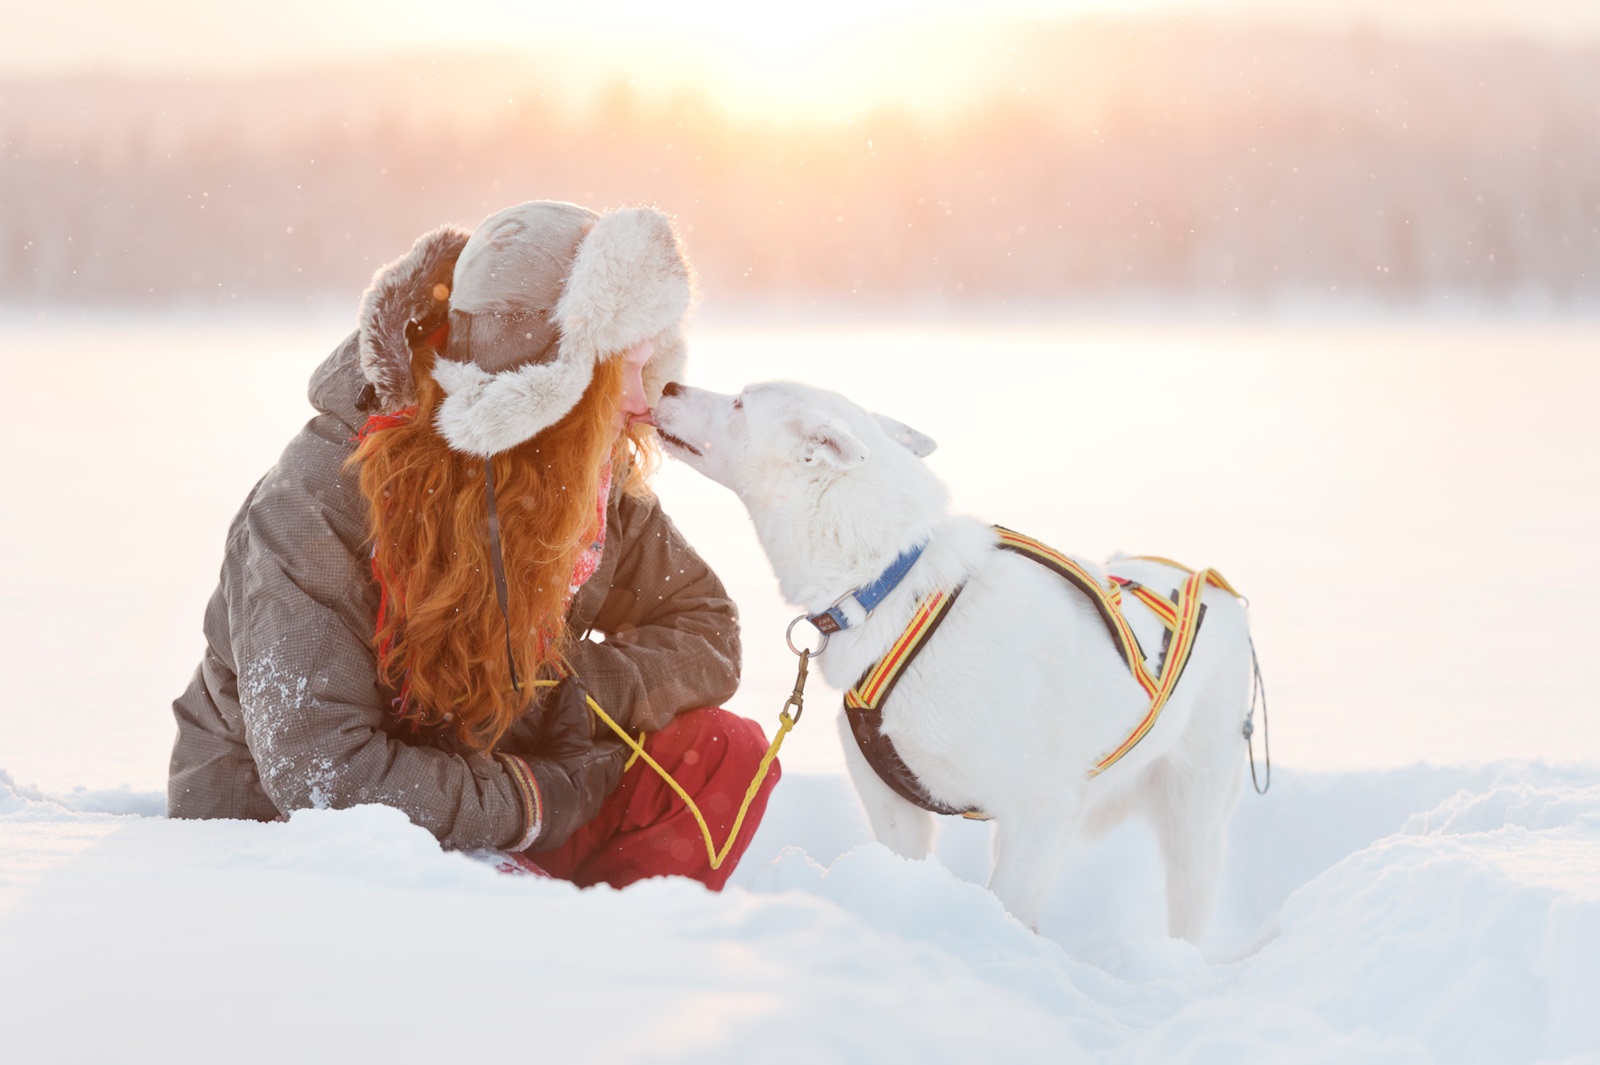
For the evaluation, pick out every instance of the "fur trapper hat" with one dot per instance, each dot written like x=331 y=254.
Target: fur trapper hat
x=536 y=297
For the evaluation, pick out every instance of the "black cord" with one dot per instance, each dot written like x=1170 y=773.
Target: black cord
x=499 y=567
x=1258 y=686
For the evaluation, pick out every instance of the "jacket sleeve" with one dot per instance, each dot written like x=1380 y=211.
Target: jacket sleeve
x=671 y=634
x=308 y=694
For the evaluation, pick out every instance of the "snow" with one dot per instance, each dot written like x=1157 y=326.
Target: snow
x=1405 y=915
x=1395 y=498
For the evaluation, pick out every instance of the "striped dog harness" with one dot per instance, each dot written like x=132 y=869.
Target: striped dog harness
x=1180 y=617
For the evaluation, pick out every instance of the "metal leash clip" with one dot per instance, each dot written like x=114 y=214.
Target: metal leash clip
x=797 y=698
x=788 y=636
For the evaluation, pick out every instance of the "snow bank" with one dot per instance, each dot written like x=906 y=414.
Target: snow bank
x=1412 y=915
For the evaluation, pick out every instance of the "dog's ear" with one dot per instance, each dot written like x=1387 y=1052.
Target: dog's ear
x=919 y=444
x=832 y=443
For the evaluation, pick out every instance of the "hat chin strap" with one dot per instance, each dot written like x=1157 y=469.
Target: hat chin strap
x=484 y=414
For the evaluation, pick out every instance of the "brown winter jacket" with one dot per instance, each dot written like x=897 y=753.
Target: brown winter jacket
x=285 y=712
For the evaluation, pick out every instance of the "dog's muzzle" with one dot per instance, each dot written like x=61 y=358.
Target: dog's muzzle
x=678 y=442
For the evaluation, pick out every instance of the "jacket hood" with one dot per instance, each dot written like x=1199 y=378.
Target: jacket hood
x=370 y=373
x=338 y=387
x=413 y=289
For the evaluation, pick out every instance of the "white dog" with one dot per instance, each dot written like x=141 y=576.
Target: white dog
x=1022 y=693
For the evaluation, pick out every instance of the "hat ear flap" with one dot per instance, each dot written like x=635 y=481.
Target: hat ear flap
x=629 y=282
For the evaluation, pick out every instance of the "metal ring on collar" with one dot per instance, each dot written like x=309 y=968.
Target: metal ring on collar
x=788 y=638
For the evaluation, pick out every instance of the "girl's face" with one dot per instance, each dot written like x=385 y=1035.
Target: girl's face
x=635 y=405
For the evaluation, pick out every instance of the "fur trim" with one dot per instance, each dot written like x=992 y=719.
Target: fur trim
x=669 y=363
x=484 y=414
x=629 y=283
x=400 y=292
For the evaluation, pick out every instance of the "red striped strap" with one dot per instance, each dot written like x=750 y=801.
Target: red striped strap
x=874 y=687
x=1188 y=624
x=1164 y=609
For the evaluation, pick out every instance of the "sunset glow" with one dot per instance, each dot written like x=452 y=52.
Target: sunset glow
x=829 y=59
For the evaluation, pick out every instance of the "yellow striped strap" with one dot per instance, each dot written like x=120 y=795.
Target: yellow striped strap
x=1163 y=609
x=1183 y=635
x=863 y=706
x=1212 y=576
x=1110 y=608
x=871 y=689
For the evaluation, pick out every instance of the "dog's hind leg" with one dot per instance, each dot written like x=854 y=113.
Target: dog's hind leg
x=1191 y=823
x=1194 y=788
x=902 y=827
x=1028 y=851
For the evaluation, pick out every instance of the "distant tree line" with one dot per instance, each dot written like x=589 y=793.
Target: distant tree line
x=1162 y=158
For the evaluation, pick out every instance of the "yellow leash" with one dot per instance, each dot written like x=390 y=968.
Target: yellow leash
x=785 y=723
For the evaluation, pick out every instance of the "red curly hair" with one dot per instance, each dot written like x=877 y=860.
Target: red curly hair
x=441 y=638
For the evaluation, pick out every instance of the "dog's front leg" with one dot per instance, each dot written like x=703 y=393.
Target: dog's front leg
x=903 y=828
x=1029 y=848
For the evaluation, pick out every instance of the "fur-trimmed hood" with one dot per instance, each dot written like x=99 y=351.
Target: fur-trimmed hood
x=627 y=283
x=415 y=288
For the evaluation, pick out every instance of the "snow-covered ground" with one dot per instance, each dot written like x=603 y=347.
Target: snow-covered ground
x=1407 y=915
x=1409 y=506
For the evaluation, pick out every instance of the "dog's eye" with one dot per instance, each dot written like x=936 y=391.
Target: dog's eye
x=738 y=403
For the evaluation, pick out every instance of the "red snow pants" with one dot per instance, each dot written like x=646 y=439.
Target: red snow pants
x=644 y=829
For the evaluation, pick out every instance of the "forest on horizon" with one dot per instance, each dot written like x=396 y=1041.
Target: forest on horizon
x=1166 y=158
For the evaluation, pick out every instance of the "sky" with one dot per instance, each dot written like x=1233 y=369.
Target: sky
x=776 y=58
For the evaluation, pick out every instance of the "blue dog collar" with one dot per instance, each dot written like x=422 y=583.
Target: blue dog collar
x=832 y=620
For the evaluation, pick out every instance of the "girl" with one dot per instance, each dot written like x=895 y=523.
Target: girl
x=459 y=547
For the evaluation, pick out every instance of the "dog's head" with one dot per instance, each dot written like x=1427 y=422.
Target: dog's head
x=780 y=436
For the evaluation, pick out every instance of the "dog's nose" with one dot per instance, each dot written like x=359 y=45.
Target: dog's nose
x=671 y=388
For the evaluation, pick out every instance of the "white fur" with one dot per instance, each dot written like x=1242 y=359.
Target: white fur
x=629 y=282
x=1021 y=692
x=484 y=413
x=400 y=291
x=668 y=364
